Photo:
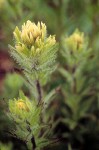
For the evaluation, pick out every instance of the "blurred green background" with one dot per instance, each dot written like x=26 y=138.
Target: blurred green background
x=61 y=17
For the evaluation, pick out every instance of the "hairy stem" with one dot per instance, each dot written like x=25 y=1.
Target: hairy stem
x=39 y=90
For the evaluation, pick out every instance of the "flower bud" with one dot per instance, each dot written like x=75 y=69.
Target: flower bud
x=32 y=37
x=75 y=41
x=20 y=107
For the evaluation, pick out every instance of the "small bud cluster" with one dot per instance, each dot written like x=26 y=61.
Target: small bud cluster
x=20 y=107
x=75 y=41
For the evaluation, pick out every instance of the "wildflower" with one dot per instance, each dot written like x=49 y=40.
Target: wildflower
x=32 y=38
x=23 y=110
x=34 y=51
x=75 y=41
x=20 y=107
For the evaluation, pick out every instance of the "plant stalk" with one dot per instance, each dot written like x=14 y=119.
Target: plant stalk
x=39 y=90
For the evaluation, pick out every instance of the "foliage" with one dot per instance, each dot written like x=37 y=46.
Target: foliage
x=32 y=48
x=5 y=147
x=26 y=115
x=13 y=82
x=63 y=106
x=79 y=101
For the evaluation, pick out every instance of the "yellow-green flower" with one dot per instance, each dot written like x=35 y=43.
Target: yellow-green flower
x=75 y=41
x=32 y=38
x=20 y=107
x=24 y=111
x=34 y=50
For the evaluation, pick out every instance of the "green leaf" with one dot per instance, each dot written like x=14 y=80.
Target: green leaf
x=21 y=95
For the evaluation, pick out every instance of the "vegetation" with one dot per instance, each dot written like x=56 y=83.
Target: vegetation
x=49 y=95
